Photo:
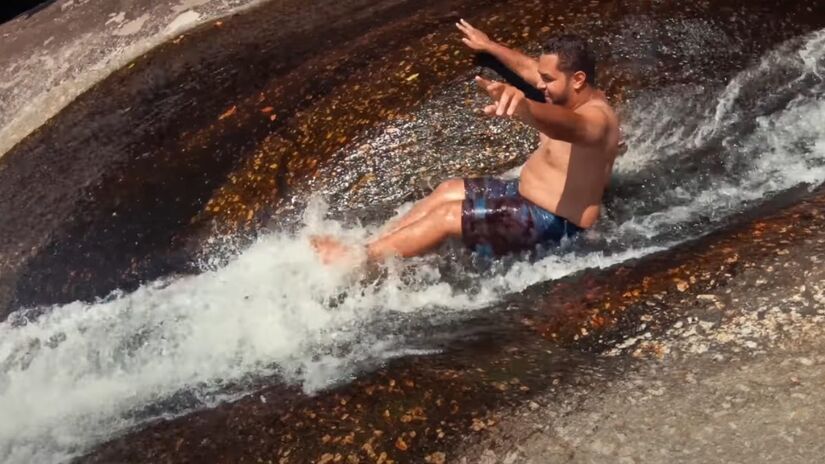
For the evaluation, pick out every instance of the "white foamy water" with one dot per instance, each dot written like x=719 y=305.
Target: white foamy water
x=69 y=377
x=36 y=83
x=80 y=373
x=747 y=149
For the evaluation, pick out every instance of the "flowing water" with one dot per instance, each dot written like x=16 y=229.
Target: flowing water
x=698 y=156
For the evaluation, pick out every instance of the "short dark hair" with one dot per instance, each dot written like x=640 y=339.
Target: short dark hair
x=574 y=55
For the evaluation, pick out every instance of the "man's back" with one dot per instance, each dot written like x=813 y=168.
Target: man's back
x=569 y=179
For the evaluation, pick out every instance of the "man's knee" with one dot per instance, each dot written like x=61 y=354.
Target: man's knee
x=450 y=190
x=448 y=216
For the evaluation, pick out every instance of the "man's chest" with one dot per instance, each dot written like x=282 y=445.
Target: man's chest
x=552 y=151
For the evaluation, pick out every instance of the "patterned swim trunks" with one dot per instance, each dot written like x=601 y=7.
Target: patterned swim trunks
x=496 y=219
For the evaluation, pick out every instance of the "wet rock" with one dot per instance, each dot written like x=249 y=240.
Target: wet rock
x=488 y=457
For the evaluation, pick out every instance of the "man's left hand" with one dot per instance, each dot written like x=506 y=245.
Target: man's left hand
x=508 y=100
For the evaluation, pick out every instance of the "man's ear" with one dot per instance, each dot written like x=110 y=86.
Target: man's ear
x=579 y=80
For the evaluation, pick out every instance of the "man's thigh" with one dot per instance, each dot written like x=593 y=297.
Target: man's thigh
x=498 y=225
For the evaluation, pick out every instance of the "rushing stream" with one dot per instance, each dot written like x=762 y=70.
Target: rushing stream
x=698 y=156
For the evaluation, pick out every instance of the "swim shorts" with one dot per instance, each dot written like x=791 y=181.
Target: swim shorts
x=496 y=219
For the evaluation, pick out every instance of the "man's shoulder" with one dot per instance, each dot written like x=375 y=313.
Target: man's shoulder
x=600 y=112
x=597 y=106
x=602 y=121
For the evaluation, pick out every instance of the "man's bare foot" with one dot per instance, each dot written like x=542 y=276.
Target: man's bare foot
x=332 y=251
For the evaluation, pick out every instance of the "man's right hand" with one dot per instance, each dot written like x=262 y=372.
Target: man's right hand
x=473 y=37
x=508 y=101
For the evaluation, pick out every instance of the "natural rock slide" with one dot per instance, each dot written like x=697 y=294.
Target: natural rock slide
x=206 y=152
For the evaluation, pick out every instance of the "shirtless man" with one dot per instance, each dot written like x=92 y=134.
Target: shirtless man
x=561 y=185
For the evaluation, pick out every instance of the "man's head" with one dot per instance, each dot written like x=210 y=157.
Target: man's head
x=566 y=66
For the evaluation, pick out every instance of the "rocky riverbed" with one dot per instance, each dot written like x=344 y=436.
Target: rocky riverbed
x=703 y=351
x=737 y=377
x=708 y=352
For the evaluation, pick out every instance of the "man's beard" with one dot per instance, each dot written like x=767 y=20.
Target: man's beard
x=560 y=101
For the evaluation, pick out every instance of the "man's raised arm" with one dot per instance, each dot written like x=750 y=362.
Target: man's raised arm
x=587 y=126
x=521 y=64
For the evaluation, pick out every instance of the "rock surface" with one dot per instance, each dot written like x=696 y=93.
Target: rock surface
x=707 y=352
x=736 y=378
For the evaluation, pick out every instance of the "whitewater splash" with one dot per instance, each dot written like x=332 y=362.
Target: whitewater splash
x=74 y=375
x=760 y=136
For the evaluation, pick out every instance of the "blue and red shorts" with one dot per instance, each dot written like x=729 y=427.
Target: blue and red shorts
x=496 y=219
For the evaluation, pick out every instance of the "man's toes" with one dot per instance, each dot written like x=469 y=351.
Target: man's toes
x=321 y=241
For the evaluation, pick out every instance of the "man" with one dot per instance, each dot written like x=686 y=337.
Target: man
x=560 y=188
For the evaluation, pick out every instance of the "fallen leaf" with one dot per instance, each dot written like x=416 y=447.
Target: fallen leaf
x=401 y=444
x=478 y=425
x=436 y=458
x=228 y=113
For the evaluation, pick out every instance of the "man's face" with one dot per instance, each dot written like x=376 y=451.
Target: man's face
x=556 y=85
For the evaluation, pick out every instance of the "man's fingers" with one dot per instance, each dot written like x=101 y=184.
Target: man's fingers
x=514 y=103
x=495 y=87
x=484 y=83
x=506 y=98
x=498 y=104
x=466 y=24
x=503 y=103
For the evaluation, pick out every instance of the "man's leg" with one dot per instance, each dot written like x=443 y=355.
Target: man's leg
x=416 y=238
x=449 y=190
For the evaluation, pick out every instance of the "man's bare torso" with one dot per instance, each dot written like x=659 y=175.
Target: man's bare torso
x=569 y=180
